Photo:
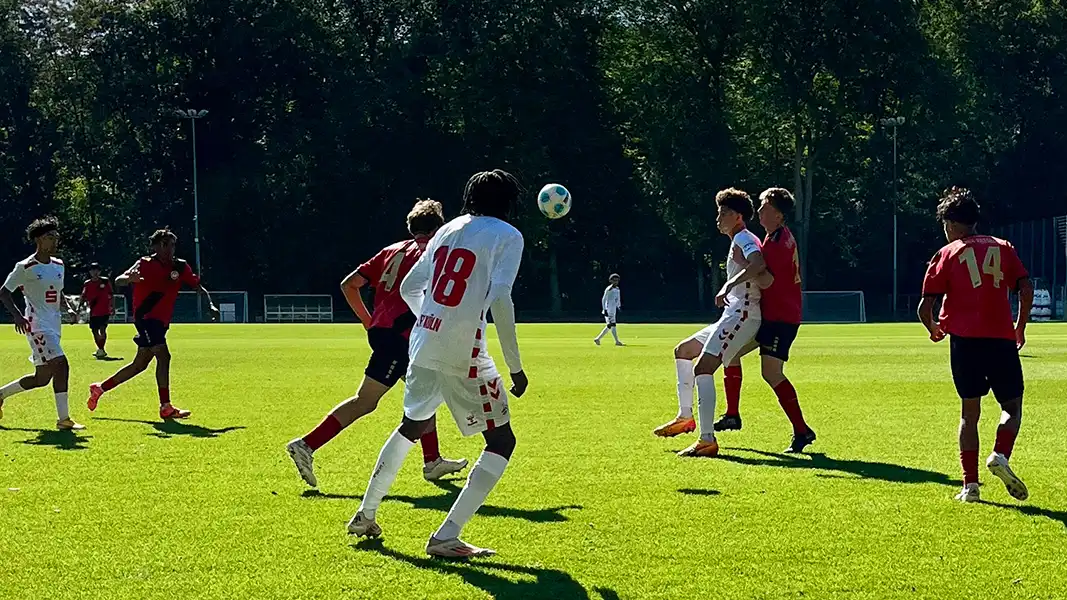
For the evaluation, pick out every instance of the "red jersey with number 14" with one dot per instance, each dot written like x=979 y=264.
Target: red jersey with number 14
x=975 y=274
x=782 y=301
x=384 y=273
x=155 y=295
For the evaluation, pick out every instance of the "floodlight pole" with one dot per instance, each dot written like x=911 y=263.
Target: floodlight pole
x=193 y=115
x=894 y=122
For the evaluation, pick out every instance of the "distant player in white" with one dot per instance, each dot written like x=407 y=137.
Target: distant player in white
x=721 y=342
x=468 y=268
x=609 y=307
x=41 y=279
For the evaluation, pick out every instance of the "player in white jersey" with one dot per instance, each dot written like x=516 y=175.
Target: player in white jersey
x=41 y=279
x=610 y=304
x=468 y=268
x=721 y=342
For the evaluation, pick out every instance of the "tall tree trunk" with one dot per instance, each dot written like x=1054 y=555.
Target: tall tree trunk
x=553 y=280
x=805 y=224
x=799 y=221
x=700 y=282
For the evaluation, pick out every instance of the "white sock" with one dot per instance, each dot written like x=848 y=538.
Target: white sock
x=706 y=392
x=685 y=387
x=62 y=407
x=480 y=482
x=11 y=389
x=615 y=334
x=602 y=334
x=390 y=460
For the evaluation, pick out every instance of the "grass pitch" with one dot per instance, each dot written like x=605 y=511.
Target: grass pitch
x=592 y=506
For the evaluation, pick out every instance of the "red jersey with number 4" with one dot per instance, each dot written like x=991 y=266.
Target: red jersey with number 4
x=98 y=295
x=154 y=297
x=384 y=273
x=975 y=274
x=782 y=301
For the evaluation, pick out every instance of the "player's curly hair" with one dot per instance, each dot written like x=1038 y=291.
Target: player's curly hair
x=780 y=198
x=425 y=217
x=161 y=234
x=41 y=226
x=959 y=206
x=491 y=194
x=736 y=200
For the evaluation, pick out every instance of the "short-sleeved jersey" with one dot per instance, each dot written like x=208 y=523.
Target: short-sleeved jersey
x=98 y=295
x=782 y=301
x=42 y=286
x=154 y=297
x=463 y=263
x=384 y=273
x=612 y=299
x=745 y=296
x=975 y=275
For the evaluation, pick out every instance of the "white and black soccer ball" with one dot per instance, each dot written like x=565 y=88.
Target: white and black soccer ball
x=554 y=201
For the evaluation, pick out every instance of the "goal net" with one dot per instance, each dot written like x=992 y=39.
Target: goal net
x=192 y=307
x=298 y=308
x=834 y=307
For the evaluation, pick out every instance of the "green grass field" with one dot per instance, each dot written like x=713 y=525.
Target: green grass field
x=592 y=506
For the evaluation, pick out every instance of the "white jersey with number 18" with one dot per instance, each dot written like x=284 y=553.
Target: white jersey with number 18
x=468 y=268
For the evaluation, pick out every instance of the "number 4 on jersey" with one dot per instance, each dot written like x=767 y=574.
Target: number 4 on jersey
x=451 y=270
x=990 y=265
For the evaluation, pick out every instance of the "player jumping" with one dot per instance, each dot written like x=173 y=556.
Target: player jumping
x=468 y=268
x=156 y=281
x=722 y=341
x=41 y=278
x=98 y=294
x=610 y=305
x=781 y=307
x=975 y=273
x=388 y=329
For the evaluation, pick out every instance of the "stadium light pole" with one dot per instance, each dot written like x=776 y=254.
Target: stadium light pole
x=193 y=115
x=894 y=122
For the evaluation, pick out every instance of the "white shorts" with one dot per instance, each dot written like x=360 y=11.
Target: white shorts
x=609 y=318
x=477 y=404
x=729 y=335
x=44 y=346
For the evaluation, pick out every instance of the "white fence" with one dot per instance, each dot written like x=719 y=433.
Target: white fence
x=298 y=308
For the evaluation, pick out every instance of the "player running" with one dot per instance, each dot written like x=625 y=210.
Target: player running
x=98 y=294
x=722 y=341
x=781 y=307
x=975 y=273
x=388 y=329
x=156 y=281
x=610 y=305
x=41 y=279
x=468 y=268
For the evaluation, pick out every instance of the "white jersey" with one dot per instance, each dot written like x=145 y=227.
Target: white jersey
x=469 y=266
x=42 y=285
x=744 y=296
x=612 y=300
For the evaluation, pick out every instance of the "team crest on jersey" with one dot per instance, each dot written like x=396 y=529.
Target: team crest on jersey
x=101 y=286
x=173 y=276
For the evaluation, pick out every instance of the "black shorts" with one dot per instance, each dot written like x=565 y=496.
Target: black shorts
x=389 y=355
x=980 y=365
x=775 y=338
x=150 y=333
x=96 y=323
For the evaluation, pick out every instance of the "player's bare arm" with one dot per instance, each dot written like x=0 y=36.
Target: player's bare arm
x=130 y=276
x=8 y=301
x=350 y=287
x=926 y=315
x=755 y=269
x=214 y=310
x=1026 y=302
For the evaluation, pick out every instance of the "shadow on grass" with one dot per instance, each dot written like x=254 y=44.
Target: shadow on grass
x=699 y=492
x=170 y=428
x=111 y=359
x=490 y=576
x=443 y=502
x=860 y=468
x=60 y=440
x=1033 y=511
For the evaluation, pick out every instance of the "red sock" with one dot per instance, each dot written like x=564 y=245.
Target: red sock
x=324 y=432
x=1005 y=441
x=164 y=395
x=109 y=385
x=787 y=397
x=969 y=460
x=732 y=384
x=430 y=449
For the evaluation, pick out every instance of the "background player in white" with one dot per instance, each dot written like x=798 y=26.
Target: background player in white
x=469 y=267
x=609 y=306
x=720 y=342
x=41 y=278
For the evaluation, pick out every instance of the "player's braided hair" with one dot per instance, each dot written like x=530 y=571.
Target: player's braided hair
x=425 y=217
x=736 y=200
x=959 y=206
x=161 y=234
x=780 y=198
x=41 y=226
x=491 y=194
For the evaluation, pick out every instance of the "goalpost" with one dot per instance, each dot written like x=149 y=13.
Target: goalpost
x=834 y=307
x=297 y=308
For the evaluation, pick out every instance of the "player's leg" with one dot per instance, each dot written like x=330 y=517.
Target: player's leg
x=971 y=385
x=60 y=382
x=147 y=332
x=435 y=466
x=684 y=354
x=970 y=414
x=613 y=325
x=40 y=377
x=731 y=383
x=607 y=328
x=161 y=352
x=1006 y=381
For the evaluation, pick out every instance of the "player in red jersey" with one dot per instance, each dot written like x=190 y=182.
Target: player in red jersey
x=781 y=305
x=98 y=294
x=156 y=281
x=388 y=328
x=975 y=273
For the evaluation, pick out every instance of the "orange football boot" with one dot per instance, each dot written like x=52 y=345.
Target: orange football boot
x=702 y=448
x=169 y=411
x=678 y=426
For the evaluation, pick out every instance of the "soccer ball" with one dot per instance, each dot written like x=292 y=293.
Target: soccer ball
x=554 y=201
